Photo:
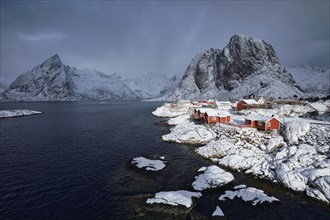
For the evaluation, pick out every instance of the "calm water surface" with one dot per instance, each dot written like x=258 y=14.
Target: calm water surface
x=72 y=162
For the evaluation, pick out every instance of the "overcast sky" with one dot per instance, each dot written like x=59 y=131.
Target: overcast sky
x=137 y=37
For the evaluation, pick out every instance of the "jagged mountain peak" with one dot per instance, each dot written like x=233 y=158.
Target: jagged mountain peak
x=52 y=61
x=244 y=67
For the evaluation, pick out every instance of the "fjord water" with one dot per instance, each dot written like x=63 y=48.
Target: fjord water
x=72 y=162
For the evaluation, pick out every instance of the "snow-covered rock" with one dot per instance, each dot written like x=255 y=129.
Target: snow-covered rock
x=189 y=133
x=302 y=167
x=274 y=143
x=212 y=177
x=218 y=212
x=17 y=113
x=230 y=72
x=291 y=178
x=174 y=198
x=152 y=165
x=249 y=194
x=293 y=130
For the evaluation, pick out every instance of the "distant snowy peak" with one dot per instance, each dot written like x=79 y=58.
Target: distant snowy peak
x=54 y=81
x=246 y=66
x=152 y=84
x=312 y=79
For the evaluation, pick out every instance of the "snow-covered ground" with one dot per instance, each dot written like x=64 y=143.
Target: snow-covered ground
x=248 y=194
x=17 y=113
x=212 y=177
x=170 y=110
x=296 y=157
x=190 y=133
x=180 y=197
x=152 y=165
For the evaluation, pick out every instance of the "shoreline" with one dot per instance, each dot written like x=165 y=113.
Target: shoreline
x=299 y=166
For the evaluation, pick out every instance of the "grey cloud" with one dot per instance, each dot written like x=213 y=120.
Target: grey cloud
x=148 y=36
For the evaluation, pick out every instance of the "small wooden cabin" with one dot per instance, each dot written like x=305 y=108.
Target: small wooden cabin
x=244 y=103
x=263 y=123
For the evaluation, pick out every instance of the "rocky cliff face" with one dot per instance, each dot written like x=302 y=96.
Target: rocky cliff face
x=246 y=66
x=54 y=81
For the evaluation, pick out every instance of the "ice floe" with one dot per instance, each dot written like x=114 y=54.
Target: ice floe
x=248 y=194
x=212 y=177
x=174 y=198
x=152 y=165
x=17 y=113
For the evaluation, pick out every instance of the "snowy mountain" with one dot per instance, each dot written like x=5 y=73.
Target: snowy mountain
x=54 y=81
x=152 y=84
x=312 y=79
x=246 y=66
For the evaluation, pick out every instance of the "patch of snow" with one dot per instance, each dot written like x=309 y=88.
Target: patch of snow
x=174 y=198
x=212 y=177
x=249 y=194
x=218 y=212
x=240 y=186
x=152 y=165
x=17 y=113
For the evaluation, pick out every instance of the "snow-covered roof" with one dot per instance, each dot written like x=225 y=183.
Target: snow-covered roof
x=250 y=101
x=318 y=107
x=213 y=112
x=256 y=117
x=224 y=103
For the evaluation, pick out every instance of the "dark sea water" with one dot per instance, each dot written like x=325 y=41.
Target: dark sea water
x=72 y=162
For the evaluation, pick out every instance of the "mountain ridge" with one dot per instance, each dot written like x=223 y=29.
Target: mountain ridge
x=246 y=66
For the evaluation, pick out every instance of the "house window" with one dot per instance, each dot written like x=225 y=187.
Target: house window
x=259 y=123
x=268 y=124
x=214 y=118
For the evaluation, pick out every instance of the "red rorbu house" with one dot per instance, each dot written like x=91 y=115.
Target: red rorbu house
x=263 y=123
x=211 y=116
x=244 y=103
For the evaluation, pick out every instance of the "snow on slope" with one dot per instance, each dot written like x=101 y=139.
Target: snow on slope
x=246 y=66
x=312 y=79
x=152 y=84
x=95 y=85
x=3 y=86
x=54 y=81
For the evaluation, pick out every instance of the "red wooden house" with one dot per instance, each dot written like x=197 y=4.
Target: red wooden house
x=263 y=123
x=244 y=103
x=211 y=116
